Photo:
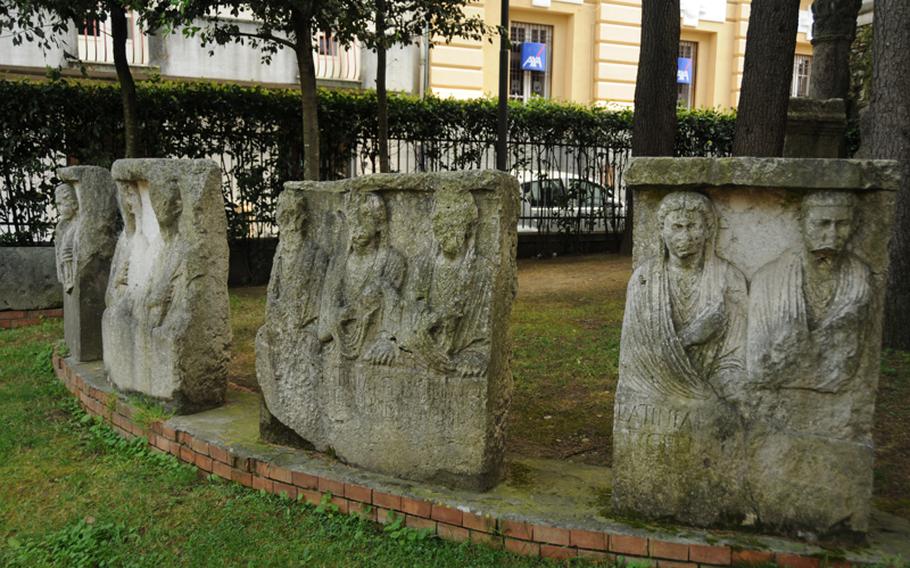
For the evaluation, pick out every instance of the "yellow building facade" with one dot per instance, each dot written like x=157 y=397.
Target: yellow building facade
x=592 y=49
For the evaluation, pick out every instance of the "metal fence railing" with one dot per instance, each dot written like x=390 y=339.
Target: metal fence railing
x=565 y=189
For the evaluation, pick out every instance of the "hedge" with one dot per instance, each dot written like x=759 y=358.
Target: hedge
x=256 y=134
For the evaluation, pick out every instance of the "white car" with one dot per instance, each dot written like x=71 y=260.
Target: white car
x=559 y=202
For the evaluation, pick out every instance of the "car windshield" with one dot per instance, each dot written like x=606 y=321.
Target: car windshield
x=545 y=193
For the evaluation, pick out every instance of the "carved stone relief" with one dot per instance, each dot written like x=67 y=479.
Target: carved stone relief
x=753 y=409
x=387 y=319
x=166 y=326
x=808 y=334
x=677 y=437
x=84 y=242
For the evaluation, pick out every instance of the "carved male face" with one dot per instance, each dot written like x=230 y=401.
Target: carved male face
x=684 y=233
x=367 y=223
x=451 y=233
x=65 y=199
x=293 y=218
x=827 y=227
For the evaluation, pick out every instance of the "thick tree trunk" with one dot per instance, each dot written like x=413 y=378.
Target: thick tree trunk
x=382 y=100
x=833 y=30
x=761 y=121
x=309 y=97
x=654 y=121
x=890 y=139
x=127 y=85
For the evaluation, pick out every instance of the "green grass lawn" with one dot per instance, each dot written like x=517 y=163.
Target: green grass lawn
x=72 y=494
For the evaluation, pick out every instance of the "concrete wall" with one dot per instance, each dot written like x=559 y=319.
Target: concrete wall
x=177 y=57
x=28 y=279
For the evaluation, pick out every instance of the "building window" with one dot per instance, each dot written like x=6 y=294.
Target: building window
x=524 y=84
x=328 y=44
x=96 y=45
x=801 y=66
x=685 y=74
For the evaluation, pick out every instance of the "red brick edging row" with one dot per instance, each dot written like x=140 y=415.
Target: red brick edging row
x=10 y=319
x=446 y=522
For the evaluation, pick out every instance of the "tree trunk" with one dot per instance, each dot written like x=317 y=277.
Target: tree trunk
x=654 y=121
x=127 y=85
x=890 y=139
x=309 y=97
x=761 y=121
x=382 y=100
x=833 y=30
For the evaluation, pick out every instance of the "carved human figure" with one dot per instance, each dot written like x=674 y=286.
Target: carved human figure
x=453 y=293
x=118 y=284
x=808 y=308
x=299 y=269
x=167 y=206
x=685 y=319
x=361 y=308
x=65 y=235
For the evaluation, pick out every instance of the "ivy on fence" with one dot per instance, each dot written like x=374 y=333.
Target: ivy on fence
x=255 y=134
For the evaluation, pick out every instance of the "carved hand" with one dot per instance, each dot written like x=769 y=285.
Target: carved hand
x=383 y=352
x=471 y=364
x=705 y=326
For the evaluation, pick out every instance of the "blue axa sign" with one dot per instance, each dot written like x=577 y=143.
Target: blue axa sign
x=533 y=56
x=684 y=70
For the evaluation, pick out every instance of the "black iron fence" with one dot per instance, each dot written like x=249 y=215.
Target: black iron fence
x=566 y=189
x=569 y=159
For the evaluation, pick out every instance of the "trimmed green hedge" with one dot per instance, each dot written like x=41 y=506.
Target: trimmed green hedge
x=256 y=134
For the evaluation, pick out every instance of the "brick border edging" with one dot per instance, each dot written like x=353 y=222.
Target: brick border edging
x=11 y=319
x=446 y=522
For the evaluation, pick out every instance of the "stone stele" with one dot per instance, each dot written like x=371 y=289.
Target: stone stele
x=387 y=325
x=751 y=341
x=84 y=241
x=166 y=328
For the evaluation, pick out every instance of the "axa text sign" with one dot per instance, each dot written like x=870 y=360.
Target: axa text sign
x=533 y=56
x=684 y=70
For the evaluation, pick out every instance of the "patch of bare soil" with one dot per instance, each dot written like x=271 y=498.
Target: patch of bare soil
x=573 y=275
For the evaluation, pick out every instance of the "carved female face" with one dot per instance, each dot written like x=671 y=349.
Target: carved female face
x=684 y=232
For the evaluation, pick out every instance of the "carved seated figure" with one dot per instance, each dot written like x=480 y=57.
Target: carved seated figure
x=452 y=293
x=361 y=307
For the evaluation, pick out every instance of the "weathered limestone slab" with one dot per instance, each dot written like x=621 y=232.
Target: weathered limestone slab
x=84 y=242
x=28 y=279
x=166 y=327
x=816 y=128
x=751 y=341
x=386 y=337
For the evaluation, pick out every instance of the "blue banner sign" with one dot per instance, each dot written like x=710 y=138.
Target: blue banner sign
x=534 y=56
x=684 y=70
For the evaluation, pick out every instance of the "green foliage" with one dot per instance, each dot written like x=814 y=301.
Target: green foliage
x=85 y=543
x=147 y=411
x=256 y=134
x=397 y=530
